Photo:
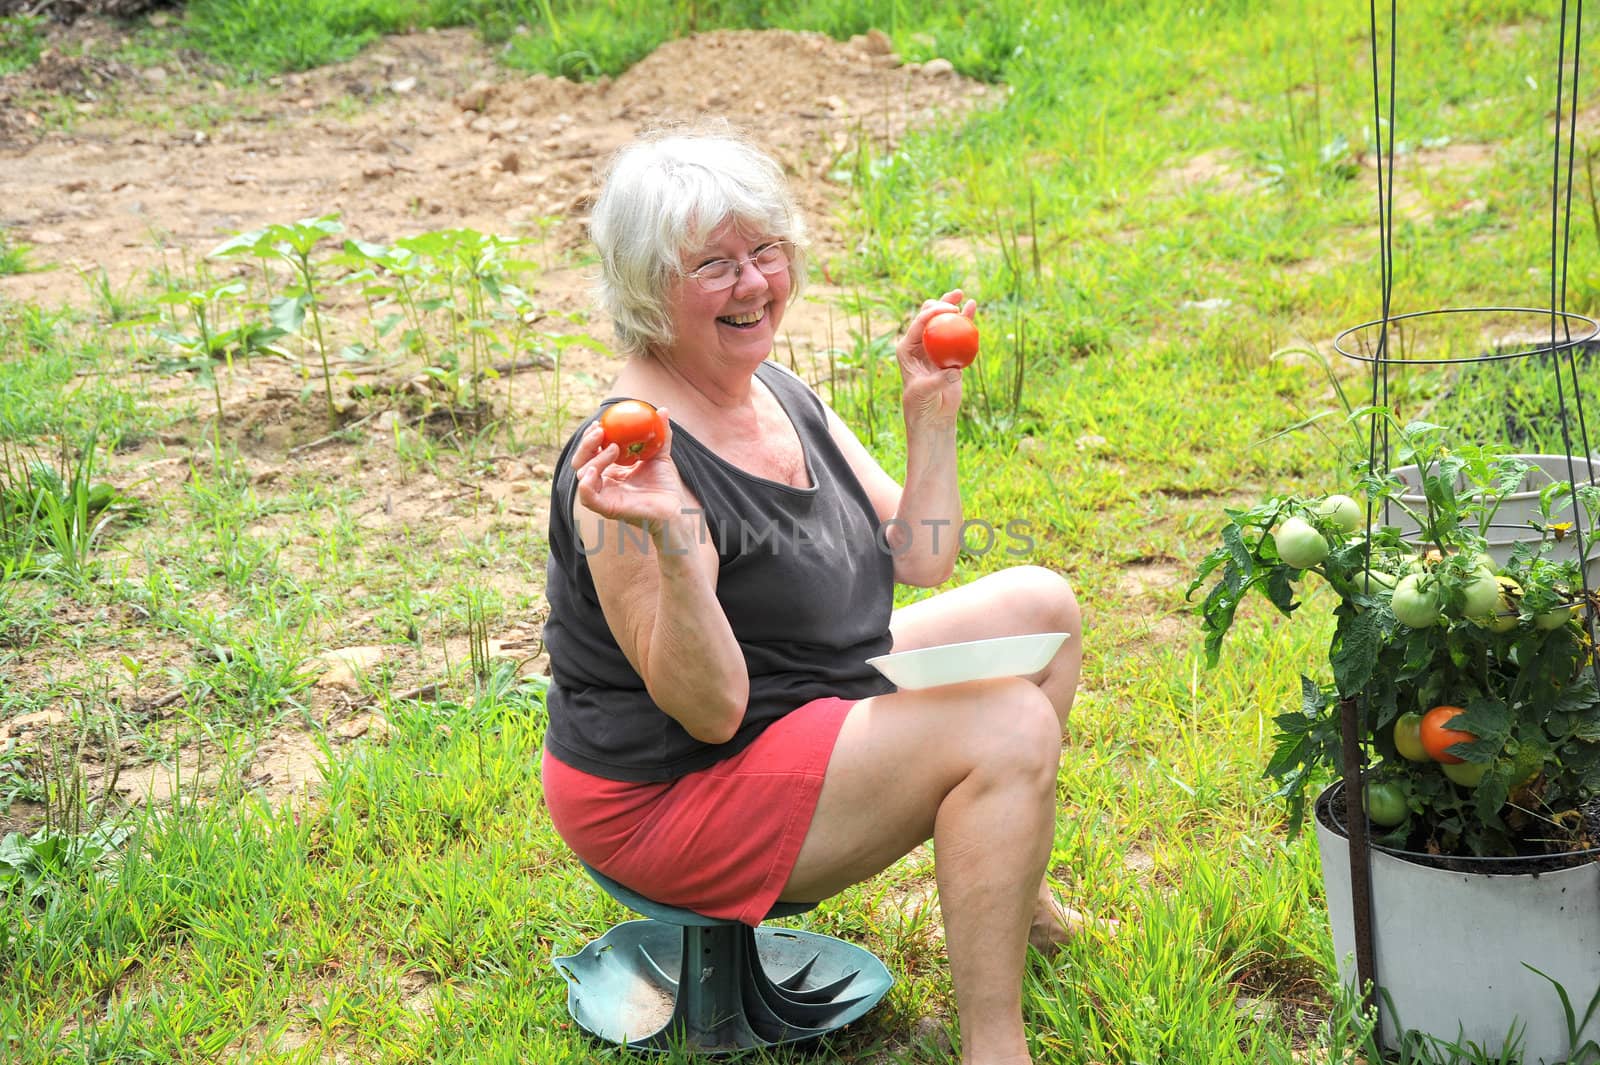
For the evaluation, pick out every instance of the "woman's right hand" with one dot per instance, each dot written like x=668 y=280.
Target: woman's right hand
x=648 y=493
x=660 y=596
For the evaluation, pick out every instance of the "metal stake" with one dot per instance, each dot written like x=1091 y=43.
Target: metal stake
x=1360 y=853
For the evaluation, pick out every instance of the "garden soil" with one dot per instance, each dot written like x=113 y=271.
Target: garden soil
x=119 y=180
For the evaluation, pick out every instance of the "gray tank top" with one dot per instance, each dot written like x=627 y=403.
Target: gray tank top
x=803 y=578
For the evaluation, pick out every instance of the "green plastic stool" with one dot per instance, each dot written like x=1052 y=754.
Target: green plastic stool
x=681 y=980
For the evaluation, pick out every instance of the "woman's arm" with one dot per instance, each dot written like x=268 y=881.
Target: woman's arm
x=654 y=567
x=922 y=519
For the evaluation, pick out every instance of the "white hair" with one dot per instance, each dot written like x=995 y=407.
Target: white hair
x=664 y=195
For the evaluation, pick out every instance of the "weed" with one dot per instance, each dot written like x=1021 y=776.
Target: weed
x=36 y=866
x=51 y=515
x=13 y=255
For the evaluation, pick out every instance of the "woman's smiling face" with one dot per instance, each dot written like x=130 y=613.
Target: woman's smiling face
x=738 y=323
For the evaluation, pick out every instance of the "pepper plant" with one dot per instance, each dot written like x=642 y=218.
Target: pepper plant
x=1426 y=618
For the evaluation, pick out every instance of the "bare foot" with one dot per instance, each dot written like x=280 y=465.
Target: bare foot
x=1055 y=924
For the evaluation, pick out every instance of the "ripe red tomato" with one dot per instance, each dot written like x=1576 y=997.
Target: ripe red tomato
x=1436 y=737
x=951 y=340
x=637 y=428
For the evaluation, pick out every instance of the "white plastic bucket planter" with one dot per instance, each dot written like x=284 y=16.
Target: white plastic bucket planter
x=1510 y=524
x=1452 y=948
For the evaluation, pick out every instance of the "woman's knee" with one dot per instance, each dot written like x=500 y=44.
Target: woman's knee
x=1020 y=731
x=1054 y=598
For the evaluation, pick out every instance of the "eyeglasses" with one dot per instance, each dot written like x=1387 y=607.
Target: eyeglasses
x=719 y=274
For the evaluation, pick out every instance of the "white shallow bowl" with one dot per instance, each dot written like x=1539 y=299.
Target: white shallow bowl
x=953 y=663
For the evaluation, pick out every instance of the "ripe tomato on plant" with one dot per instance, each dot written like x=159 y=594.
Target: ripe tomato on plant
x=1437 y=737
x=951 y=340
x=636 y=427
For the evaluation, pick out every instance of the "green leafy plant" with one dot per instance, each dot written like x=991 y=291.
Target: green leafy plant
x=450 y=292
x=207 y=344
x=13 y=255
x=21 y=42
x=52 y=515
x=37 y=865
x=293 y=244
x=1425 y=618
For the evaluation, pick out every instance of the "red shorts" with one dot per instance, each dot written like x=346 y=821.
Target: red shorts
x=721 y=841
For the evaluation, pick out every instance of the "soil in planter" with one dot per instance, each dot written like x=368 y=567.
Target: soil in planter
x=1542 y=856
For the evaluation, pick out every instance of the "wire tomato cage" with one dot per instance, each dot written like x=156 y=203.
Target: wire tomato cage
x=1552 y=336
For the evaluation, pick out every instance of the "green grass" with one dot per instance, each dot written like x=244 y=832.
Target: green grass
x=1166 y=223
x=582 y=39
x=21 y=41
x=13 y=256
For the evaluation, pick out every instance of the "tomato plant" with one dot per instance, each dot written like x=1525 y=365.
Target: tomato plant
x=637 y=428
x=951 y=340
x=1386 y=803
x=1437 y=737
x=1554 y=618
x=1427 y=617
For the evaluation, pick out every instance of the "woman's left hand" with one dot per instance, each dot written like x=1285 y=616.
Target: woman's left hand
x=932 y=393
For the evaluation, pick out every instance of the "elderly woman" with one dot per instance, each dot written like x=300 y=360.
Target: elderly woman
x=717 y=740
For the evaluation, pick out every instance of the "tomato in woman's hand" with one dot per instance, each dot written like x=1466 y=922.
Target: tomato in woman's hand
x=1436 y=737
x=637 y=428
x=951 y=340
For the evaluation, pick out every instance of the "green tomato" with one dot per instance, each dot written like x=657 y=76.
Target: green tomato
x=1386 y=803
x=1414 y=604
x=1505 y=617
x=1480 y=597
x=1343 y=511
x=1379 y=581
x=1408 y=738
x=1554 y=619
x=1467 y=774
x=1299 y=545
